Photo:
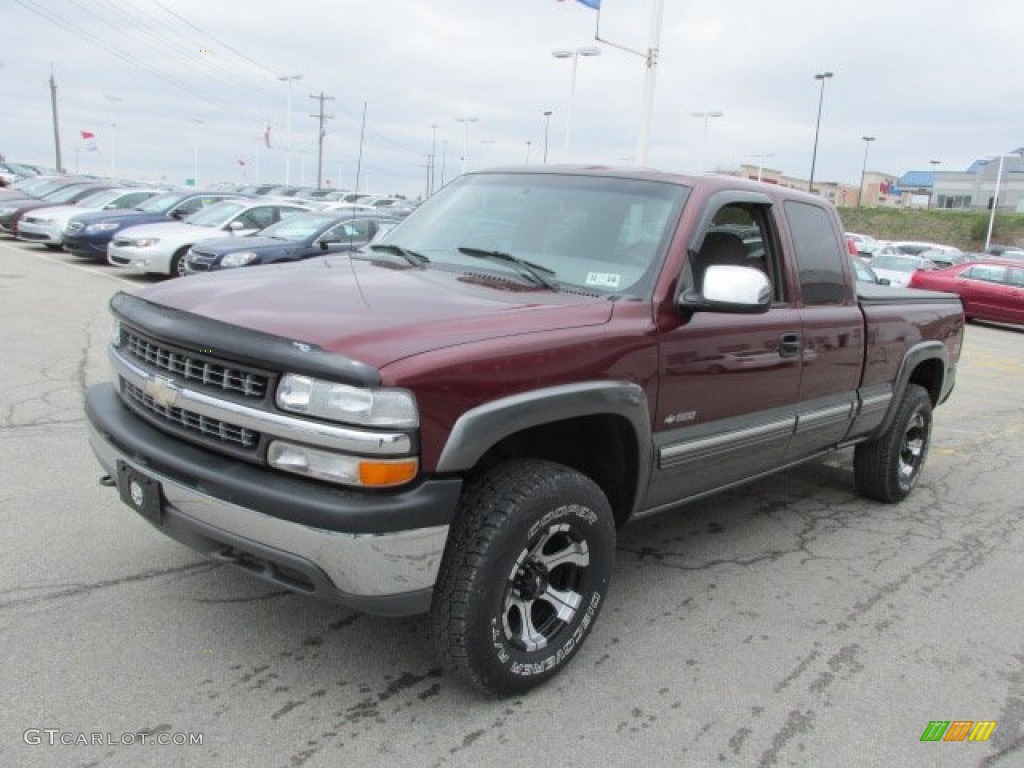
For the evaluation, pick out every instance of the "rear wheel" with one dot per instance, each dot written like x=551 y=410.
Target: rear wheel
x=887 y=468
x=524 y=575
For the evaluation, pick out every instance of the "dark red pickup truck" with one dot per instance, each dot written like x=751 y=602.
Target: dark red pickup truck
x=457 y=419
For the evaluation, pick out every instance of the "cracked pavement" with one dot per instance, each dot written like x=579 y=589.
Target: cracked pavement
x=787 y=623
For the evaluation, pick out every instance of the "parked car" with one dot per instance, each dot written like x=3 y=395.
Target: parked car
x=1013 y=254
x=865 y=244
x=46 y=225
x=909 y=247
x=87 y=235
x=297 y=237
x=897 y=268
x=12 y=210
x=989 y=290
x=162 y=247
x=947 y=256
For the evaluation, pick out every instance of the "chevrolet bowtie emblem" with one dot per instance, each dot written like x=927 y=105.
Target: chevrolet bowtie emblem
x=163 y=391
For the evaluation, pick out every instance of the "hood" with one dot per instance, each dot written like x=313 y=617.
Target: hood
x=125 y=217
x=60 y=212
x=167 y=229
x=377 y=312
x=219 y=246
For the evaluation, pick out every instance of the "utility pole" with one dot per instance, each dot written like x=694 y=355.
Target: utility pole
x=56 y=128
x=320 y=145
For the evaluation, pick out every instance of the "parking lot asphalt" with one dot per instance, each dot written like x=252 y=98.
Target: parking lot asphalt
x=787 y=623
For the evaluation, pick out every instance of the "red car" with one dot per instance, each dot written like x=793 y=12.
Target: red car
x=990 y=290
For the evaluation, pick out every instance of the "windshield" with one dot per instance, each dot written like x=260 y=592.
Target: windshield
x=101 y=198
x=162 y=202
x=598 y=234
x=65 y=195
x=896 y=263
x=217 y=215
x=297 y=227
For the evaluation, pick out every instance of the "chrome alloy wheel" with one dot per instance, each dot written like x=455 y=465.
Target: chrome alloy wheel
x=912 y=449
x=541 y=596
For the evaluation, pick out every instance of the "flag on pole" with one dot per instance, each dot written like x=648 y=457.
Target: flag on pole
x=594 y=4
x=266 y=137
x=89 y=141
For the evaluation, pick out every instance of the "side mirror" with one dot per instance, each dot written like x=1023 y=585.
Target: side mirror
x=730 y=289
x=325 y=245
x=236 y=226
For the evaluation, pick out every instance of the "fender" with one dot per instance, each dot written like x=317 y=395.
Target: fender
x=917 y=354
x=480 y=428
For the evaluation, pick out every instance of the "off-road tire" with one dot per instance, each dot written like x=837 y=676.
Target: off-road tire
x=887 y=468
x=524 y=575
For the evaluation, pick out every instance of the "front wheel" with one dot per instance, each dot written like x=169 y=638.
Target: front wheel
x=178 y=266
x=524 y=575
x=887 y=468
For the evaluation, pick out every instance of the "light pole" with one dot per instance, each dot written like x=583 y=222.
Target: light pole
x=547 y=126
x=760 y=163
x=704 y=140
x=575 y=56
x=528 y=145
x=195 y=160
x=289 y=79
x=112 y=100
x=995 y=204
x=864 y=169
x=465 y=138
x=822 y=76
x=935 y=170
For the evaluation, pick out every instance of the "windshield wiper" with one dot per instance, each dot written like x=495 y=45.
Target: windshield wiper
x=416 y=259
x=536 y=272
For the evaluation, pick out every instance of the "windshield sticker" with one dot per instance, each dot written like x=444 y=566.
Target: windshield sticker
x=603 y=279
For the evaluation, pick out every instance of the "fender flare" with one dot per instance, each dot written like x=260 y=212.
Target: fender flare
x=917 y=354
x=479 y=429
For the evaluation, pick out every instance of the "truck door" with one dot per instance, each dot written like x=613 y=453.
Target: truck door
x=832 y=334
x=728 y=389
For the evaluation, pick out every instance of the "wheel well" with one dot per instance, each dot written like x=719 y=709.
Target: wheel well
x=602 y=447
x=929 y=374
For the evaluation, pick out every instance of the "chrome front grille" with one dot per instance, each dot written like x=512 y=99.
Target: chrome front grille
x=191 y=367
x=195 y=423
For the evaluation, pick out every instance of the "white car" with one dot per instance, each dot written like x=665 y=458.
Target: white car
x=898 y=268
x=162 y=247
x=46 y=225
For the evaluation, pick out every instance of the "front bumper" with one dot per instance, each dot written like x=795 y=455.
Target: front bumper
x=377 y=553
x=38 y=232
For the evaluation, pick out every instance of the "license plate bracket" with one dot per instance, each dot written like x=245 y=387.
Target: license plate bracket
x=140 y=492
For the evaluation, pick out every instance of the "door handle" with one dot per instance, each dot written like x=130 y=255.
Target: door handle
x=789 y=345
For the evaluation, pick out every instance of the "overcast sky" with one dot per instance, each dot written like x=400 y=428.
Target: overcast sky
x=936 y=80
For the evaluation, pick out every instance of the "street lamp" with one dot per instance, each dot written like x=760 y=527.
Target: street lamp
x=863 y=169
x=760 y=163
x=465 y=138
x=822 y=76
x=289 y=79
x=935 y=169
x=195 y=171
x=547 y=125
x=575 y=56
x=995 y=204
x=112 y=100
x=704 y=139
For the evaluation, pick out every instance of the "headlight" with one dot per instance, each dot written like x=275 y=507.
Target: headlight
x=105 y=226
x=339 y=468
x=350 y=405
x=240 y=259
x=144 y=242
x=43 y=221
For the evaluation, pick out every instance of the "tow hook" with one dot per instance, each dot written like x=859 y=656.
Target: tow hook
x=108 y=481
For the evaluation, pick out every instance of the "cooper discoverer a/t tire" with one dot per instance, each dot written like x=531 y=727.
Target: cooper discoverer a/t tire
x=887 y=468
x=524 y=575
